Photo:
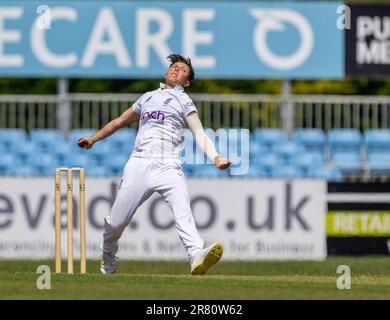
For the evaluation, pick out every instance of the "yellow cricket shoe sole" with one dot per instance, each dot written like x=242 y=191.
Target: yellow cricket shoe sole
x=212 y=257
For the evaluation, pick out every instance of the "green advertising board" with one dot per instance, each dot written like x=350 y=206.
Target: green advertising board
x=370 y=223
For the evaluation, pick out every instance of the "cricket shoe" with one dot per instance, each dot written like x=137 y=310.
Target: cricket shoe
x=108 y=262
x=205 y=258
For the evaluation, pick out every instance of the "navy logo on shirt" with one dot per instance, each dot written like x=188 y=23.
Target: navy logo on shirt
x=166 y=102
x=153 y=115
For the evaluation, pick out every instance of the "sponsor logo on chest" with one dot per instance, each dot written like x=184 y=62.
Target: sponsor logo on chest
x=156 y=115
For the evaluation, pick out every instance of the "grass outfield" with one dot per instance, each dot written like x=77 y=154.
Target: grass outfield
x=370 y=279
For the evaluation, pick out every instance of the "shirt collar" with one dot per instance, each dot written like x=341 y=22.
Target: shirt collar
x=176 y=87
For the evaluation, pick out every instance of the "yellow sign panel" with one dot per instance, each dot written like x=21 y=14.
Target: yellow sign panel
x=358 y=223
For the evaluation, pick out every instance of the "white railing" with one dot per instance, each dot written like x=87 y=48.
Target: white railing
x=216 y=110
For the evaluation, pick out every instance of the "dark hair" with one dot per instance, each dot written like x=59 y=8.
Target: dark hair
x=178 y=58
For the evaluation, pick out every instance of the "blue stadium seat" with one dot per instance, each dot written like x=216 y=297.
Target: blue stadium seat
x=379 y=162
x=9 y=137
x=115 y=163
x=306 y=161
x=327 y=173
x=348 y=162
x=254 y=172
x=259 y=164
x=286 y=172
x=270 y=137
x=46 y=138
x=122 y=139
x=100 y=150
x=267 y=161
x=288 y=150
x=60 y=150
x=78 y=160
x=209 y=171
x=44 y=164
x=4 y=145
x=187 y=173
x=21 y=171
x=377 y=140
x=7 y=161
x=257 y=150
x=4 y=149
x=190 y=168
x=127 y=150
x=25 y=150
x=313 y=139
x=344 y=140
x=48 y=171
x=97 y=172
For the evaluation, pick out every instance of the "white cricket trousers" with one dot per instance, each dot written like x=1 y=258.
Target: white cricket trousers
x=141 y=178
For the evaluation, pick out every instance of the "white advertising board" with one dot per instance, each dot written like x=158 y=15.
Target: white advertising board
x=253 y=219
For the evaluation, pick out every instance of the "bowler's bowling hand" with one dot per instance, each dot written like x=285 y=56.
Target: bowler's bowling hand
x=222 y=163
x=85 y=143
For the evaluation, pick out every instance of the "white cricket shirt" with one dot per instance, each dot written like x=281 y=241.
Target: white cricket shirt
x=162 y=122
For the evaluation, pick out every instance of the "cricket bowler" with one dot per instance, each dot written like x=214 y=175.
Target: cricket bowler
x=155 y=166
